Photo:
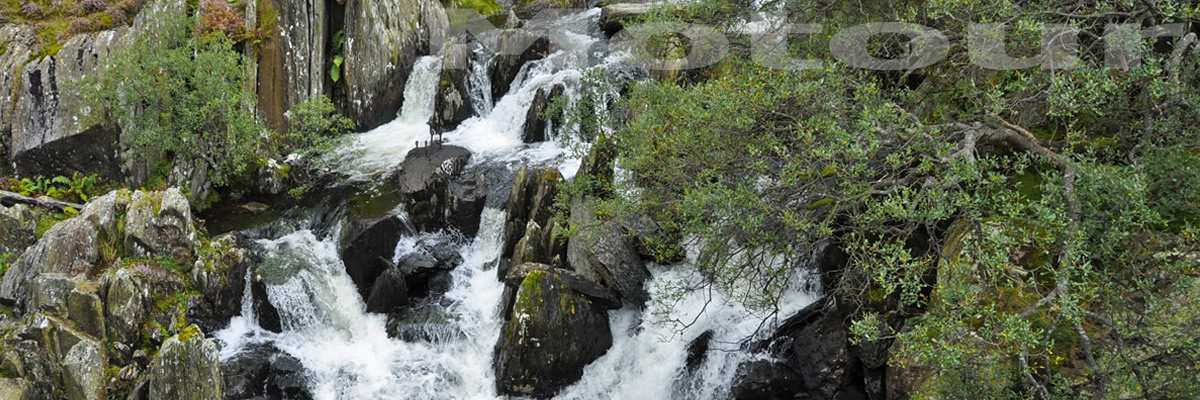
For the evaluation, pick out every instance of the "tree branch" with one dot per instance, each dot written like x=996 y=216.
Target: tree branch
x=9 y=198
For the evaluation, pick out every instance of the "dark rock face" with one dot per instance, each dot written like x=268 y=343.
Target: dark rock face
x=389 y=292
x=603 y=252
x=221 y=282
x=515 y=47
x=697 y=351
x=383 y=39
x=531 y=201
x=536 y=120
x=268 y=316
x=373 y=243
x=600 y=295
x=812 y=359
x=551 y=334
x=453 y=102
x=425 y=322
x=424 y=180
x=262 y=371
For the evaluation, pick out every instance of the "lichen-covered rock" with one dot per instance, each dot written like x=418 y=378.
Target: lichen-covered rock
x=531 y=200
x=159 y=224
x=383 y=39
x=85 y=309
x=219 y=274
x=125 y=305
x=187 y=368
x=18 y=225
x=14 y=389
x=53 y=131
x=602 y=251
x=84 y=365
x=48 y=293
x=526 y=9
x=76 y=246
x=20 y=41
x=552 y=333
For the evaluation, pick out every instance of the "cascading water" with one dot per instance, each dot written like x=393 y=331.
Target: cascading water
x=347 y=352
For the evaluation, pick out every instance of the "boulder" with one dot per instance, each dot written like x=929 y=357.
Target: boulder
x=48 y=293
x=467 y=197
x=389 y=292
x=159 y=224
x=186 y=368
x=697 y=351
x=86 y=310
x=375 y=241
x=383 y=39
x=603 y=252
x=424 y=179
x=614 y=17
x=599 y=295
x=514 y=48
x=262 y=371
x=18 y=225
x=811 y=356
x=551 y=334
x=536 y=119
x=14 y=389
x=268 y=317
x=125 y=308
x=53 y=131
x=84 y=367
x=80 y=245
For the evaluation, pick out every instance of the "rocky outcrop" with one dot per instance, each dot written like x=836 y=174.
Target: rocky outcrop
x=76 y=246
x=53 y=130
x=424 y=180
x=370 y=251
x=453 y=103
x=383 y=39
x=514 y=48
x=389 y=292
x=536 y=118
x=552 y=332
x=530 y=203
x=810 y=357
x=18 y=225
x=262 y=371
x=187 y=368
x=292 y=59
x=605 y=253
x=17 y=43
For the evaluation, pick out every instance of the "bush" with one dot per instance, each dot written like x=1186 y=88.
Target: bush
x=219 y=16
x=313 y=125
x=180 y=97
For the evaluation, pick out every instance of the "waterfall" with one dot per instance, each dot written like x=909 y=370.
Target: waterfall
x=379 y=150
x=347 y=353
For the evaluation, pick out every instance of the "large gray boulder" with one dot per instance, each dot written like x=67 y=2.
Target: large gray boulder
x=187 y=368
x=19 y=43
x=159 y=224
x=550 y=335
x=383 y=39
x=515 y=48
x=84 y=366
x=54 y=131
x=14 y=389
x=79 y=245
x=125 y=306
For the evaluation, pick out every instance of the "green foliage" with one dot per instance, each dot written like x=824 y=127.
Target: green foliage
x=335 y=67
x=313 y=126
x=6 y=260
x=47 y=221
x=182 y=98
x=76 y=188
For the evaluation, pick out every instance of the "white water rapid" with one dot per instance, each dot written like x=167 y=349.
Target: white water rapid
x=346 y=351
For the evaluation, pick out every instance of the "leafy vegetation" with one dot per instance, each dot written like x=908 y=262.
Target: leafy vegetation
x=77 y=188
x=313 y=126
x=1009 y=233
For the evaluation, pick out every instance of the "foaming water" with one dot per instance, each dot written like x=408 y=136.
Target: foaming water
x=649 y=353
x=381 y=149
x=346 y=351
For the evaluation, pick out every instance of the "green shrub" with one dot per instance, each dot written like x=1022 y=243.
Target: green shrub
x=179 y=97
x=313 y=126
